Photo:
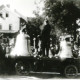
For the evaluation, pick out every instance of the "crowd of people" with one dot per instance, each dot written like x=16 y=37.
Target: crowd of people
x=41 y=42
x=45 y=40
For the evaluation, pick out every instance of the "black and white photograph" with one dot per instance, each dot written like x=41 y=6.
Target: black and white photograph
x=39 y=39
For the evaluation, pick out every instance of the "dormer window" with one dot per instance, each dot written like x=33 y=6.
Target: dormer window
x=7 y=14
x=0 y=14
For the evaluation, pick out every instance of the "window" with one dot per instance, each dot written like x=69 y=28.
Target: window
x=7 y=14
x=10 y=26
x=67 y=39
x=0 y=14
x=0 y=26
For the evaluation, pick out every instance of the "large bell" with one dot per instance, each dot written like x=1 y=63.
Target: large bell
x=21 y=46
x=65 y=50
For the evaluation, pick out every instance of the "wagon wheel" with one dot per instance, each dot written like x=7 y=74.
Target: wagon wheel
x=70 y=71
x=21 y=69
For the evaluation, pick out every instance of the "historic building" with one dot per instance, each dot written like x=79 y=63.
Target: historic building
x=11 y=22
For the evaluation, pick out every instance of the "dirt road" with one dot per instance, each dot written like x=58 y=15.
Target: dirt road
x=35 y=76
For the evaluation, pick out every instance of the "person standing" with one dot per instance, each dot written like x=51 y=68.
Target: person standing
x=37 y=36
x=45 y=38
x=78 y=40
x=78 y=43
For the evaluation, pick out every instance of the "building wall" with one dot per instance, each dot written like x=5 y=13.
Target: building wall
x=8 y=19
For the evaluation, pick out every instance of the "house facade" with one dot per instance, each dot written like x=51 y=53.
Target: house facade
x=9 y=21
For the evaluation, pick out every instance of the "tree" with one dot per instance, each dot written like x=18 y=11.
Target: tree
x=62 y=14
x=33 y=25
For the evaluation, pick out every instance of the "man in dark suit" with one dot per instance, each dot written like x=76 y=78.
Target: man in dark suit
x=45 y=38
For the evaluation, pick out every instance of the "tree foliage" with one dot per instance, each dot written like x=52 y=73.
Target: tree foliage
x=62 y=14
x=33 y=25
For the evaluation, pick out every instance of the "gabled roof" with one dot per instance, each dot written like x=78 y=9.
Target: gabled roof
x=14 y=11
x=20 y=15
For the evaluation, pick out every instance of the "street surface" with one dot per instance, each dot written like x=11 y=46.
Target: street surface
x=34 y=76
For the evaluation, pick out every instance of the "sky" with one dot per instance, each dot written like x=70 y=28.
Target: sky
x=24 y=7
